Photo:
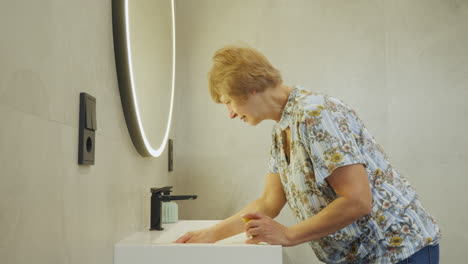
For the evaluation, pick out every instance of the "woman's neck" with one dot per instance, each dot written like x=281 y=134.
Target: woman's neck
x=275 y=100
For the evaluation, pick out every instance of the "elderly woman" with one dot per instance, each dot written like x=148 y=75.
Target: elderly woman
x=351 y=204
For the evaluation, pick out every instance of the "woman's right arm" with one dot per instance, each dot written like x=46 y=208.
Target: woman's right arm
x=270 y=203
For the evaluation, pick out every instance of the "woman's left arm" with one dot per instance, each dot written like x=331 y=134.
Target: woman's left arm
x=354 y=201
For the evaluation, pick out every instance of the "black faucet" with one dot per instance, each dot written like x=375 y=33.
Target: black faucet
x=159 y=195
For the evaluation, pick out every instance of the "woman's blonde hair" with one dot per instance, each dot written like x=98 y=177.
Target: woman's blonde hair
x=238 y=70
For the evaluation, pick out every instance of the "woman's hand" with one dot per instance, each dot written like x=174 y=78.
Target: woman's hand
x=261 y=228
x=198 y=236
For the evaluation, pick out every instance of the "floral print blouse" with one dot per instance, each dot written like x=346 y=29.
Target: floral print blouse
x=327 y=134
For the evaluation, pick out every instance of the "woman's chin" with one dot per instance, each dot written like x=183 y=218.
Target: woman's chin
x=253 y=122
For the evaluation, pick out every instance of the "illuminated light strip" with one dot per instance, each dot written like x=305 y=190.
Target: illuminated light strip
x=149 y=148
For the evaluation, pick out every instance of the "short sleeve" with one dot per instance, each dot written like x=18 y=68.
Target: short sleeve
x=332 y=142
x=273 y=159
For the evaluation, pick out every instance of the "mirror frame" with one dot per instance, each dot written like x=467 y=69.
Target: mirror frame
x=123 y=61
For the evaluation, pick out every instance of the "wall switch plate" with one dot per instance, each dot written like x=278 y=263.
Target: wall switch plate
x=87 y=128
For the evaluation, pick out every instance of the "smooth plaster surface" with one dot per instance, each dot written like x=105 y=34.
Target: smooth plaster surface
x=51 y=209
x=402 y=65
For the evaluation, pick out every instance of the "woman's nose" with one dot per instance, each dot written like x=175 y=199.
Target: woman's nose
x=232 y=114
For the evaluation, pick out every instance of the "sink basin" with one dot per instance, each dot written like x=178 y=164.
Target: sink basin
x=156 y=247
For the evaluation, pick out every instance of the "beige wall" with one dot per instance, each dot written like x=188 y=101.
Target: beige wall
x=53 y=211
x=402 y=65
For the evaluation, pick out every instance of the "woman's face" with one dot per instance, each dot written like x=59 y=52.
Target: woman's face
x=247 y=111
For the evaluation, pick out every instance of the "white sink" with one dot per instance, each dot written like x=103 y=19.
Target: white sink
x=153 y=247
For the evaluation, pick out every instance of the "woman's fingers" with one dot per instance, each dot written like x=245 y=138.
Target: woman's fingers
x=253 y=232
x=184 y=239
x=197 y=236
x=253 y=240
x=250 y=241
x=252 y=224
x=256 y=215
x=263 y=229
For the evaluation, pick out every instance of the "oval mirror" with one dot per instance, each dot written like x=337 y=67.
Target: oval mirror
x=144 y=45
